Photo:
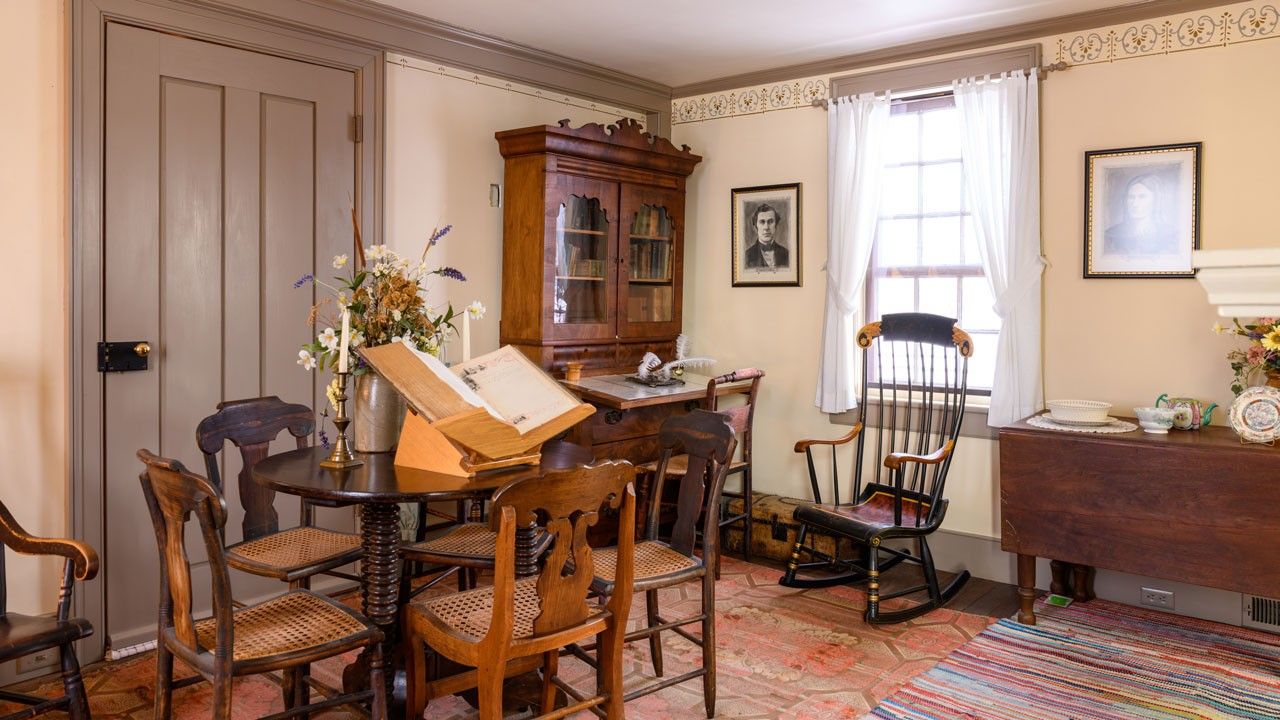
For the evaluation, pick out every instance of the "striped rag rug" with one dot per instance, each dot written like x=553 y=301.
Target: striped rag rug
x=1099 y=660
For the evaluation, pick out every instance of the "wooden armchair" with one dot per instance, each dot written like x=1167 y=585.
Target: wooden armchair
x=922 y=365
x=293 y=555
x=22 y=635
x=284 y=633
x=534 y=617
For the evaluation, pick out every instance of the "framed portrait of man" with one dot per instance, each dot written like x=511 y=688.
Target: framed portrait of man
x=766 y=235
x=1142 y=211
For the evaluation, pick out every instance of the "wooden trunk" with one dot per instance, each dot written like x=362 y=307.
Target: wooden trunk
x=774 y=532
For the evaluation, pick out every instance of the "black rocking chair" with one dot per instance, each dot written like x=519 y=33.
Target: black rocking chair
x=922 y=363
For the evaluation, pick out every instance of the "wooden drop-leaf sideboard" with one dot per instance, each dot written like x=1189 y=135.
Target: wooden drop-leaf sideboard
x=1197 y=507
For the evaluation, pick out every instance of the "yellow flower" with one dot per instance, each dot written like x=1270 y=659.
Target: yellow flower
x=1219 y=328
x=1271 y=340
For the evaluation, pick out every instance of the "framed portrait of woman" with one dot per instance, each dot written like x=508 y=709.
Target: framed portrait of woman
x=1141 y=211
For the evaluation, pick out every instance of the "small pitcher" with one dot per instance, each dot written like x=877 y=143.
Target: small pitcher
x=1189 y=413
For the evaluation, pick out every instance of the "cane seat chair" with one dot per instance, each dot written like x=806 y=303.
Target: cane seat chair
x=741 y=419
x=22 y=635
x=493 y=628
x=921 y=361
x=293 y=555
x=468 y=547
x=284 y=633
x=708 y=442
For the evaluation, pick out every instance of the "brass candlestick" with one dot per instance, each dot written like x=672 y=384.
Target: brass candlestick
x=341 y=457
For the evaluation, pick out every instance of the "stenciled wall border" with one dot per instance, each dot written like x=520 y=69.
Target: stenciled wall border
x=1217 y=27
x=406 y=61
x=1214 y=27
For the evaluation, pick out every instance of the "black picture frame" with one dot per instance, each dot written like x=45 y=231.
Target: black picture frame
x=750 y=265
x=1142 y=211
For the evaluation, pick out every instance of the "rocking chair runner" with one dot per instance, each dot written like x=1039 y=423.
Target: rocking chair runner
x=923 y=384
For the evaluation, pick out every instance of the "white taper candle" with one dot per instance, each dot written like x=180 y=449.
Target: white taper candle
x=345 y=344
x=466 y=336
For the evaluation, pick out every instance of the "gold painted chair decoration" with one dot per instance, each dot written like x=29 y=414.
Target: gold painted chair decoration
x=920 y=363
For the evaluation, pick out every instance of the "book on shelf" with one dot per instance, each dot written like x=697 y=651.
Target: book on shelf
x=491 y=411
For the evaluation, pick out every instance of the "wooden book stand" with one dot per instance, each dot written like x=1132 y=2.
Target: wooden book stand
x=447 y=434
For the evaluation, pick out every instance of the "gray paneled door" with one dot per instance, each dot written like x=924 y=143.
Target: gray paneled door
x=229 y=174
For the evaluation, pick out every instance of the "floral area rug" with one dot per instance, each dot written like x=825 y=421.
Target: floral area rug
x=782 y=653
x=1099 y=660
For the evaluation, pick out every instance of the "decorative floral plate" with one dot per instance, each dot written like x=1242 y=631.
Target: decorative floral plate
x=1255 y=415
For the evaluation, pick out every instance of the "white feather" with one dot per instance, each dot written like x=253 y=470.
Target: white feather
x=648 y=363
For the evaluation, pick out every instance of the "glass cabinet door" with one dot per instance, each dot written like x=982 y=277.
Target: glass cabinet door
x=582 y=262
x=650 y=270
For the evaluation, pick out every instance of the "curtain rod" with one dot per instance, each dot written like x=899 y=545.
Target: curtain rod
x=1043 y=70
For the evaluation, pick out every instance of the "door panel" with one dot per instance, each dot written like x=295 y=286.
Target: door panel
x=582 y=220
x=228 y=175
x=651 y=274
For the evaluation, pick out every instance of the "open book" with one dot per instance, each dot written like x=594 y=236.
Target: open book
x=505 y=383
x=491 y=412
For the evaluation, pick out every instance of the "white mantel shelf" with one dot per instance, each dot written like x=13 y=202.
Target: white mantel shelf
x=1241 y=283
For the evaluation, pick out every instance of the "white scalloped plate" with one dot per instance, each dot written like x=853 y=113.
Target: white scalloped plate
x=1255 y=415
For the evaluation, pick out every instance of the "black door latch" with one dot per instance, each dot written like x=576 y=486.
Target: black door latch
x=123 y=356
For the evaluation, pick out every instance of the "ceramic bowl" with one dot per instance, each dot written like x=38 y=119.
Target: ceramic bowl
x=1079 y=410
x=1154 y=419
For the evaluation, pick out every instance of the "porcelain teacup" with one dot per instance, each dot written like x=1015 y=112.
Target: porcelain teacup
x=1155 y=420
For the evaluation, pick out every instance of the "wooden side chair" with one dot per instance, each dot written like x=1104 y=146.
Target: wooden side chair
x=707 y=440
x=22 y=635
x=741 y=419
x=532 y=618
x=293 y=555
x=922 y=362
x=285 y=633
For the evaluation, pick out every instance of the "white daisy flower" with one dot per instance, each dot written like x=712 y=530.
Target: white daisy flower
x=396 y=315
x=376 y=252
x=476 y=310
x=357 y=337
x=339 y=261
x=306 y=360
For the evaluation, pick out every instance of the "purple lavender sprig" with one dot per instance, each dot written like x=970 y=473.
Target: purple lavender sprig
x=435 y=236
x=451 y=273
x=324 y=439
x=306 y=278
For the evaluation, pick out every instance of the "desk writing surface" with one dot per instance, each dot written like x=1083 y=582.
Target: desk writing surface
x=616 y=391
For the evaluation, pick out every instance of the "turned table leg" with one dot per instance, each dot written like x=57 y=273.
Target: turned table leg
x=1082 y=582
x=380 y=599
x=1026 y=589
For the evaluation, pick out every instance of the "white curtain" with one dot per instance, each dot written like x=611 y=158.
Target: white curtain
x=1000 y=147
x=856 y=129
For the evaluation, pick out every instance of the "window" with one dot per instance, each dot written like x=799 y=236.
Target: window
x=926 y=257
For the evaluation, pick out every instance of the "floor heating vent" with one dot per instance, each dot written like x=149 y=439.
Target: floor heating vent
x=1262 y=613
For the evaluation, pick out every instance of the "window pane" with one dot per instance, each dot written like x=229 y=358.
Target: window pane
x=895 y=295
x=941 y=241
x=979 y=312
x=971 y=254
x=896 y=243
x=904 y=138
x=942 y=189
x=901 y=191
x=938 y=296
x=941 y=140
x=982 y=364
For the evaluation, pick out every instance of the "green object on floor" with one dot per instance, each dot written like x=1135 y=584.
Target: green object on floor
x=1057 y=600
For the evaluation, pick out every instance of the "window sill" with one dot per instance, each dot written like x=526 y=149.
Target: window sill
x=974 y=424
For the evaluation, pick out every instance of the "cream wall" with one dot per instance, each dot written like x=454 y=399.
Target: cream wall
x=34 y=370
x=441 y=158
x=1124 y=341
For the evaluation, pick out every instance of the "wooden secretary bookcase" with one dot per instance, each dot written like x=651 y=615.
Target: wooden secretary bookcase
x=593 y=243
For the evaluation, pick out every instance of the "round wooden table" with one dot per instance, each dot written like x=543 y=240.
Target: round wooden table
x=377 y=486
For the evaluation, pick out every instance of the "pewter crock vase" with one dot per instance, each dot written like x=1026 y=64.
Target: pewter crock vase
x=379 y=414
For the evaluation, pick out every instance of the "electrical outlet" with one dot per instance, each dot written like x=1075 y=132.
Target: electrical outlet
x=36 y=661
x=1156 y=598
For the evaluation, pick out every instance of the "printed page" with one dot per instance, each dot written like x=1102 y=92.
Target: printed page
x=518 y=390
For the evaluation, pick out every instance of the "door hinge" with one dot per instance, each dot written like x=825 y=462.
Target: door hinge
x=357 y=127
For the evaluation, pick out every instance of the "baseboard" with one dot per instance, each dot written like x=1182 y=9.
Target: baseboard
x=983 y=558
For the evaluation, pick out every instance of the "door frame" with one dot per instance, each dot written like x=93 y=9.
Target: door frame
x=88 y=25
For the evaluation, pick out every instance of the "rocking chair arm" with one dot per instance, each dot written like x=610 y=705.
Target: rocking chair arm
x=803 y=445
x=83 y=557
x=895 y=460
